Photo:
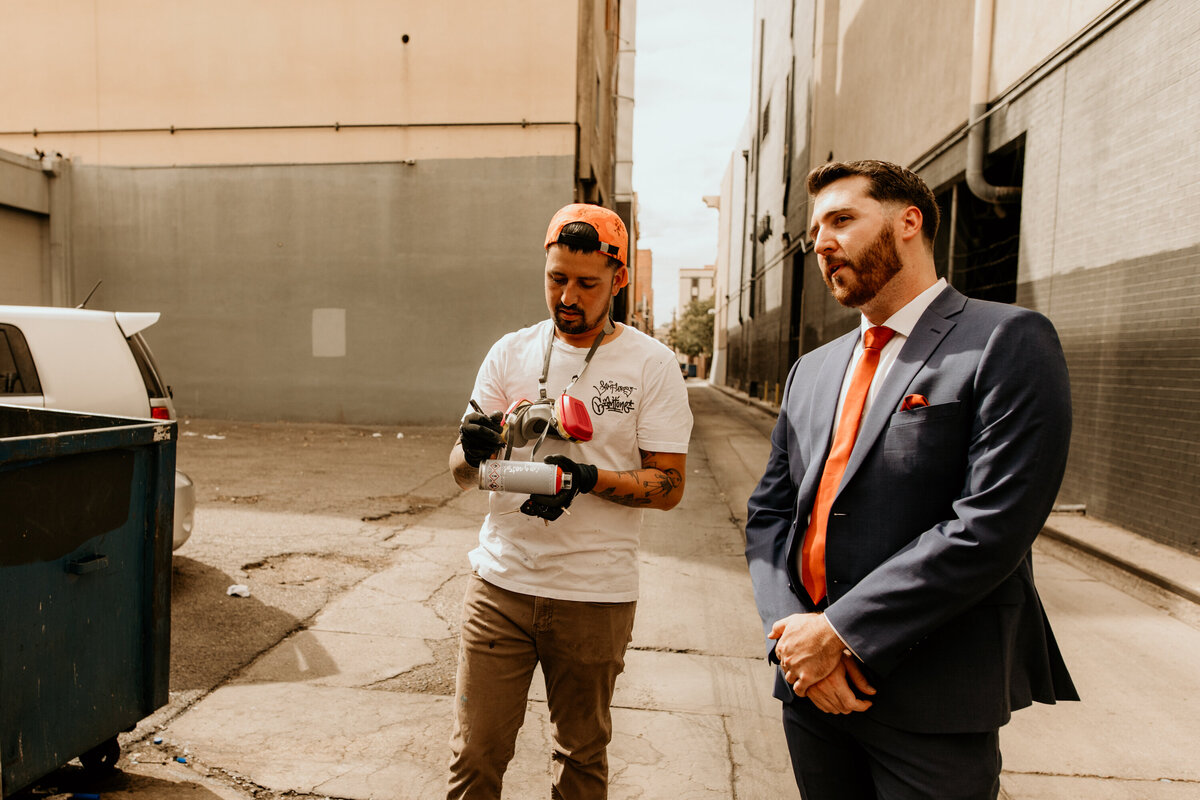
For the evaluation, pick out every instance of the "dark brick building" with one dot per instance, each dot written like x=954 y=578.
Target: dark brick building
x=1092 y=112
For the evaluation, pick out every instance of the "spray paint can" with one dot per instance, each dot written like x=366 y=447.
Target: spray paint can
x=522 y=477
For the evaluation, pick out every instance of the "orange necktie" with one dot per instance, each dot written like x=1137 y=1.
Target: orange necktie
x=812 y=559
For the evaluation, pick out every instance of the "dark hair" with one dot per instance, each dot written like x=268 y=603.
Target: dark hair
x=582 y=237
x=887 y=183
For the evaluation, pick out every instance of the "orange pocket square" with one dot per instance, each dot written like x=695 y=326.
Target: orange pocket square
x=913 y=401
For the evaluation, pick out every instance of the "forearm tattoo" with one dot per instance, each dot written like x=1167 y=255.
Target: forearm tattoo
x=643 y=487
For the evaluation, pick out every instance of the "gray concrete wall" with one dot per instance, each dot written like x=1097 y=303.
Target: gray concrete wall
x=1131 y=333
x=24 y=231
x=266 y=275
x=22 y=257
x=901 y=72
x=1110 y=251
x=1109 y=243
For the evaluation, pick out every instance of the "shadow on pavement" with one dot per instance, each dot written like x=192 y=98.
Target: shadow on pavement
x=213 y=634
x=74 y=781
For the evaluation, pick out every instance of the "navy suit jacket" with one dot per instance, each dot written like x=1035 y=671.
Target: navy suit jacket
x=928 y=550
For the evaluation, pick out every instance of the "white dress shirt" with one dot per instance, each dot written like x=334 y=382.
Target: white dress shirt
x=902 y=322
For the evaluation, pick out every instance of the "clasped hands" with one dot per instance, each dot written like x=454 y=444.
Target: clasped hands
x=817 y=665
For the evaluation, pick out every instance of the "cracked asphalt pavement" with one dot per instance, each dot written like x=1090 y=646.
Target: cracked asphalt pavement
x=334 y=679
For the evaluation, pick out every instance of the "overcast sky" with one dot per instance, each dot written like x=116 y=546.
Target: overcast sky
x=691 y=98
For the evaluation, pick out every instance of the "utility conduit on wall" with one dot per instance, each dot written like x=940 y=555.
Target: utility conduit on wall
x=1090 y=34
x=981 y=74
x=333 y=126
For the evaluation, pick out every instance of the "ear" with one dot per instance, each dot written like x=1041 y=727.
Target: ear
x=620 y=279
x=908 y=223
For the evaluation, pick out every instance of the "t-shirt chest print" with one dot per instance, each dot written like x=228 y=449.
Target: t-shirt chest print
x=611 y=396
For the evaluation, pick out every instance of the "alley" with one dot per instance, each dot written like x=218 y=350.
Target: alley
x=334 y=679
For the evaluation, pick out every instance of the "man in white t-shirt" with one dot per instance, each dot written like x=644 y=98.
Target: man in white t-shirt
x=556 y=578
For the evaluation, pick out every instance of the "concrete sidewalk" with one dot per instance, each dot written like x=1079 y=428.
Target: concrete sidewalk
x=332 y=711
x=1126 y=612
x=1162 y=566
x=355 y=704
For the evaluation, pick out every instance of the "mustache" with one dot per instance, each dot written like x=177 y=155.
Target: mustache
x=575 y=309
x=833 y=265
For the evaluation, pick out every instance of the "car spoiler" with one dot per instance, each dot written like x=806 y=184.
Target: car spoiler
x=132 y=322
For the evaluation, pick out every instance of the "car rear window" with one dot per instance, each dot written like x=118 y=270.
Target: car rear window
x=17 y=372
x=145 y=361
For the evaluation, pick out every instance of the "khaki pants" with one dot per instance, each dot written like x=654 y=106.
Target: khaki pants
x=581 y=647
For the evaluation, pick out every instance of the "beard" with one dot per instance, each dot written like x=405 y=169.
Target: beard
x=858 y=282
x=573 y=325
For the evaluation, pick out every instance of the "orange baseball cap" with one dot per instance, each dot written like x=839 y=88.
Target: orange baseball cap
x=614 y=240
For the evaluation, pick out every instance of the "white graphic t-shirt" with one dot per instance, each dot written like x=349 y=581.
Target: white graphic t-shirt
x=637 y=400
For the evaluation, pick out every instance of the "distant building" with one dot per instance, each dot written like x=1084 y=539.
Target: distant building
x=1055 y=194
x=624 y=198
x=259 y=172
x=641 y=299
x=695 y=284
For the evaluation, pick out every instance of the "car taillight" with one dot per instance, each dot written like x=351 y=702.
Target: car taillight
x=159 y=412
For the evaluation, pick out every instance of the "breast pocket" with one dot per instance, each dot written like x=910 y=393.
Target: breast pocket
x=930 y=441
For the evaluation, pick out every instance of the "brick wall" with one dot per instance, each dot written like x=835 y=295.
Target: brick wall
x=1110 y=251
x=1131 y=332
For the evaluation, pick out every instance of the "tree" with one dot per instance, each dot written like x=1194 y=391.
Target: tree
x=692 y=333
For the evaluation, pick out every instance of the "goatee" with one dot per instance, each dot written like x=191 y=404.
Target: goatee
x=568 y=326
x=873 y=268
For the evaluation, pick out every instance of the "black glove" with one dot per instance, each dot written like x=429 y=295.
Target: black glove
x=583 y=476
x=480 y=436
x=551 y=506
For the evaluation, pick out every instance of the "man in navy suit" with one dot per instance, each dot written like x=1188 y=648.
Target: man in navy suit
x=914 y=462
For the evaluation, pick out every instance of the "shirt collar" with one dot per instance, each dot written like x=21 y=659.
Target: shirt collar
x=904 y=320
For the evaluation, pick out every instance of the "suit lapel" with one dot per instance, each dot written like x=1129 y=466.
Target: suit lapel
x=928 y=333
x=826 y=389
x=822 y=406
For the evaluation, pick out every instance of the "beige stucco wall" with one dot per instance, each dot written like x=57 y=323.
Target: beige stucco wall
x=596 y=106
x=889 y=94
x=779 y=38
x=225 y=63
x=1026 y=31
x=721 y=274
x=902 y=70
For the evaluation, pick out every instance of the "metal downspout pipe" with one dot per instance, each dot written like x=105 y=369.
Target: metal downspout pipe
x=981 y=73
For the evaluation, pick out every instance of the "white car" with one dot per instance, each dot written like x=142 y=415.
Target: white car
x=95 y=362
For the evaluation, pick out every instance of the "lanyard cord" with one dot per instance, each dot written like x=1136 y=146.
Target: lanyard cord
x=608 y=328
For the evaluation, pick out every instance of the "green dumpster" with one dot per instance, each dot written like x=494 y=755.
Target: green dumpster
x=86 y=506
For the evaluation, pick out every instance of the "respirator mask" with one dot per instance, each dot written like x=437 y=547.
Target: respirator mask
x=564 y=418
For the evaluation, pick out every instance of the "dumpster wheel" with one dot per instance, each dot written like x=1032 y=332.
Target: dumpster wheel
x=103 y=757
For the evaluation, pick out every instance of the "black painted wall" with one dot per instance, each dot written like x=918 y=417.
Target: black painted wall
x=1131 y=333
